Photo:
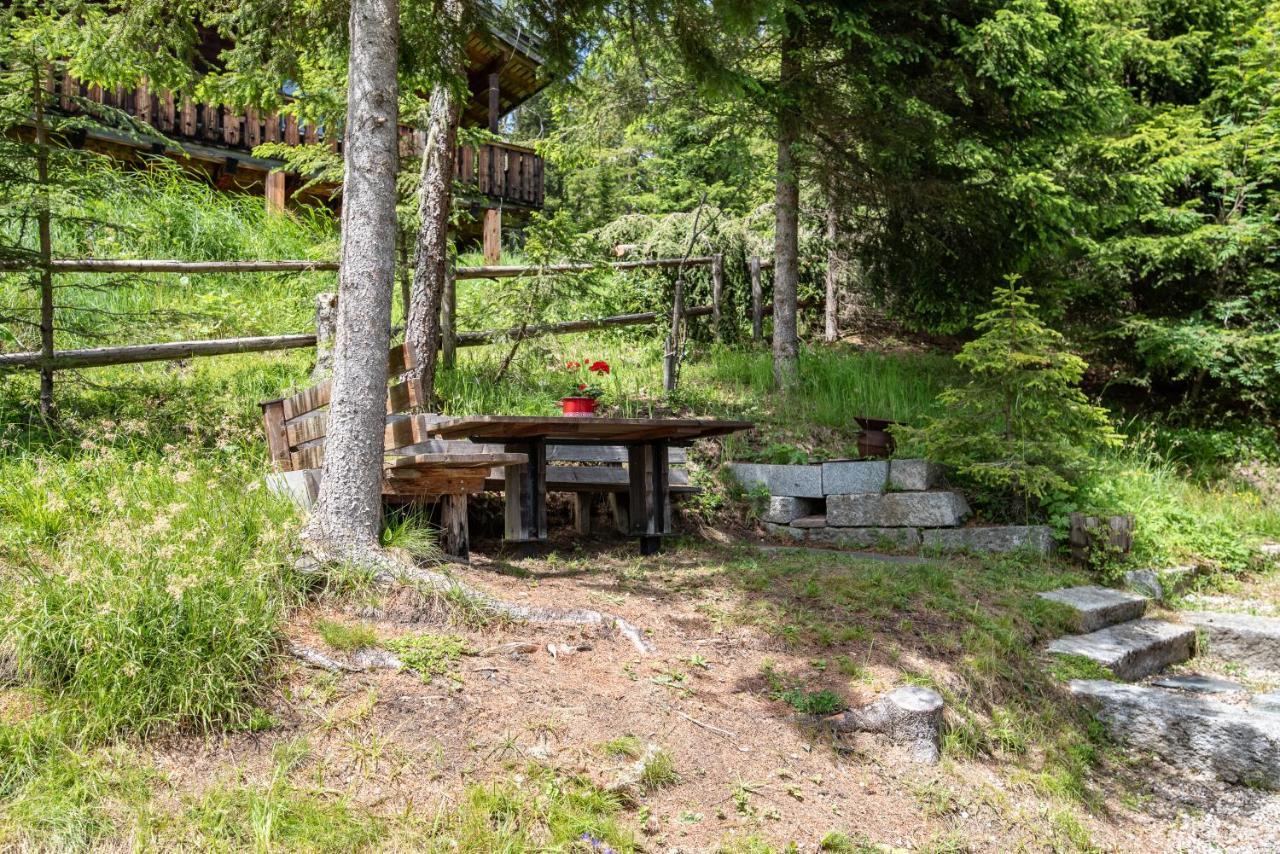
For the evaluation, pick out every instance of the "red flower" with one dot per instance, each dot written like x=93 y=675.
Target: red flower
x=599 y=367
x=573 y=365
x=582 y=386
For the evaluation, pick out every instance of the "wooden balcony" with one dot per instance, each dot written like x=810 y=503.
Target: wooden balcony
x=499 y=170
x=511 y=174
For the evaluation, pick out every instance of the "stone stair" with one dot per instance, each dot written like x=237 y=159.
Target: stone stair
x=1198 y=722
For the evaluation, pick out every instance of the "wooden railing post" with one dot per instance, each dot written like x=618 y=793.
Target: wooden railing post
x=449 y=319
x=717 y=292
x=757 y=301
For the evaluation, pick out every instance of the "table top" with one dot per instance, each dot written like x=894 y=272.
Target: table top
x=589 y=429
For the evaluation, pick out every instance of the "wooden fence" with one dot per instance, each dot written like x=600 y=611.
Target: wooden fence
x=172 y=350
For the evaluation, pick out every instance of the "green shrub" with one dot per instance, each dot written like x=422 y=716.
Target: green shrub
x=1019 y=425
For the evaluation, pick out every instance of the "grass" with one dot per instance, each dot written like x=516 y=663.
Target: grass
x=623 y=747
x=145 y=575
x=659 y=771
x=345 y=637
x=427 y=654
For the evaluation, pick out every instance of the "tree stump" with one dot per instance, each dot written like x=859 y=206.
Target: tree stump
x=909 y=716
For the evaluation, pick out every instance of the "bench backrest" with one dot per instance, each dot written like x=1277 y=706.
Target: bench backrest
x=296 y=426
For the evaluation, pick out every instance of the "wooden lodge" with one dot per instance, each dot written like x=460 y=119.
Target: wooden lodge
x=503 y=71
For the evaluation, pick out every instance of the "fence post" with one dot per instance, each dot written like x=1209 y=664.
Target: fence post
x=757 y=301
x=717 y=292
x=449 y=319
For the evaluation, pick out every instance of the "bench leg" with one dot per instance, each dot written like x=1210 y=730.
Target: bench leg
x=618 y=510
x=582 y=513
x=455 y=533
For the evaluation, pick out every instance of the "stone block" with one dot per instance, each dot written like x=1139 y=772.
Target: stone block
x=846 y=477
x=1132 y=650
x=1232 y=743
x=785 y=532
x=815 y=521
x=301 y=486
x=1240 y=638
x=1194 y=683
x=1096 y=608
x=891 y=539
x=1269 y=703
x=793 y=481
x=1159 y=584
x=914 y=475
x=897 y=510
x=784 y=509
x=999 y=538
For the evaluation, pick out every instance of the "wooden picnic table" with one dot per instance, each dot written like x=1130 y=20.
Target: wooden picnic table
x=647 y=441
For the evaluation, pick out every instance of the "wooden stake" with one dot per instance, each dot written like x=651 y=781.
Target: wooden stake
x=757 y=302
x=717 y=292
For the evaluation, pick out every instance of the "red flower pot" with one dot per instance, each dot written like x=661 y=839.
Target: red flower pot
x=581 y=406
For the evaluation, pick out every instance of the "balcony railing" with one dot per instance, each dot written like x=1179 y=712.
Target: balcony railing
x=503 y=171
x=510 y=173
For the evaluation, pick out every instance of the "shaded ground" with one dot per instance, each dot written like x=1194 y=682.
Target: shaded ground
x=736 y=630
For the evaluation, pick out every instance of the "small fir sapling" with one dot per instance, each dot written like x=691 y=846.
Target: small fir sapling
x=1018 y=425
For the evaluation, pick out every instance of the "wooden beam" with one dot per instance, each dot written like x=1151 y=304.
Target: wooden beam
x=275 y=189
x=102 y=356
x=492 y=235
x=495 y=101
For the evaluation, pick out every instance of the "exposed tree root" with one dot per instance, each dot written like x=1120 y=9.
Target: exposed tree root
x=438 y=582
x=387 y=569
x=316 y=658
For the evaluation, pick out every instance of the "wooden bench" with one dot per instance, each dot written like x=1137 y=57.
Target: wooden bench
x=415 y=466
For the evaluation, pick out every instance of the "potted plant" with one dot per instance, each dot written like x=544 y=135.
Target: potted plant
x=584 y=394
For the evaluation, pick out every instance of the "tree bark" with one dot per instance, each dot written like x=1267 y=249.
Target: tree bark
x=835 y=266
x=786 y=268
x=431 y=253
x=344 y=523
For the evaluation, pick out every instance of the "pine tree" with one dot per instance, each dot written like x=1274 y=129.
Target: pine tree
x=1020 y=425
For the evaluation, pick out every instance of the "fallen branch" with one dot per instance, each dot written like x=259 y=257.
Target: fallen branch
x=691 y=719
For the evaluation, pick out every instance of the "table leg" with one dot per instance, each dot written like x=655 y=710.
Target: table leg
x=526 y=494
x=649 y=485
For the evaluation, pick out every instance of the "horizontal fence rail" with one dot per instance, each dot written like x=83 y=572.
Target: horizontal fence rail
x=126 y=265
x=98 y=357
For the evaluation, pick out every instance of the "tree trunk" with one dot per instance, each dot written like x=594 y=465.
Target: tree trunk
x=431 y=254
x=835 y=266
x=47 y=409
x=786 y=269
x=344 y=522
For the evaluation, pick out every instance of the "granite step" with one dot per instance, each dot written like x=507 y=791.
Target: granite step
x=1132 y=650
x=1234 y=743
x=1096 y=608
x=1244 y=639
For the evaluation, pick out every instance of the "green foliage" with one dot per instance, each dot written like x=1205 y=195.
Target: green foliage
x=545 y=812
x=427 y=654
x=1020 y=424
x=659 y=771
x=822 y=702
x=345 y=637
